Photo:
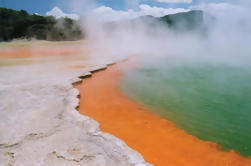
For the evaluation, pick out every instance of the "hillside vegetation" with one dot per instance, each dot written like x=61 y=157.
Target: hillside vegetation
x=191 y=20
x=19 y=24
x=184 y=22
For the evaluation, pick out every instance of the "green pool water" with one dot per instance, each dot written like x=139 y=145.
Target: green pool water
x=210 y=101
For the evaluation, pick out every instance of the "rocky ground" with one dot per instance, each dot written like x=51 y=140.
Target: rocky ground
x=39 y=123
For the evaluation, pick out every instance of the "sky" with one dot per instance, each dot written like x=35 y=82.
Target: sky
x=121 y=8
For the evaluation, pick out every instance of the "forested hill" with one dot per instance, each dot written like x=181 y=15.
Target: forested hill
x=19 y=24
x=184 y=21
x=191 y=20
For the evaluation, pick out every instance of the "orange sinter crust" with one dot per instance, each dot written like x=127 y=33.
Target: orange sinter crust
x=41 y=51
x=157 y=139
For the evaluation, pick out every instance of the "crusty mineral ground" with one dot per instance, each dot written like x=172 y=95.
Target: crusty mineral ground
x=39 y=123
x=158 y=140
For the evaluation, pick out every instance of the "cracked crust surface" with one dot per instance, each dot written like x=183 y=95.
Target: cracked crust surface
x=40 y=126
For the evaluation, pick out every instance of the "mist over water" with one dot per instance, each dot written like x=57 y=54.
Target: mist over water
x=212 y=102
x=200 y=78
x=202 y=83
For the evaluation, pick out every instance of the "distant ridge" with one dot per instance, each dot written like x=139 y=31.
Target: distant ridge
x=184 y=21
x=178 y=23
x=21 y=25
x=187 y=20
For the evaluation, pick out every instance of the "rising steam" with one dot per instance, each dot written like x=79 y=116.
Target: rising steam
x=226 y=40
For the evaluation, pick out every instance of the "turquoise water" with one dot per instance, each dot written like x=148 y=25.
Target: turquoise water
x=210 y=101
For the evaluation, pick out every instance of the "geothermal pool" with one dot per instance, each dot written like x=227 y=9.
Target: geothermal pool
x=208 y=100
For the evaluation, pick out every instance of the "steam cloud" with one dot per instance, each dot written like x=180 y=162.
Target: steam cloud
x=227 y=38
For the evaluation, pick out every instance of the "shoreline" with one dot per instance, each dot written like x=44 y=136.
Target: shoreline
x=64 y=136
x=157 y=139
x=39 y=120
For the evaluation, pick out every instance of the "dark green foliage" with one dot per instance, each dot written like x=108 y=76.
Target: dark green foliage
x=192 y=21
x=184 y=21
x=19 y=24
x=65 y=29
x=179 y=22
